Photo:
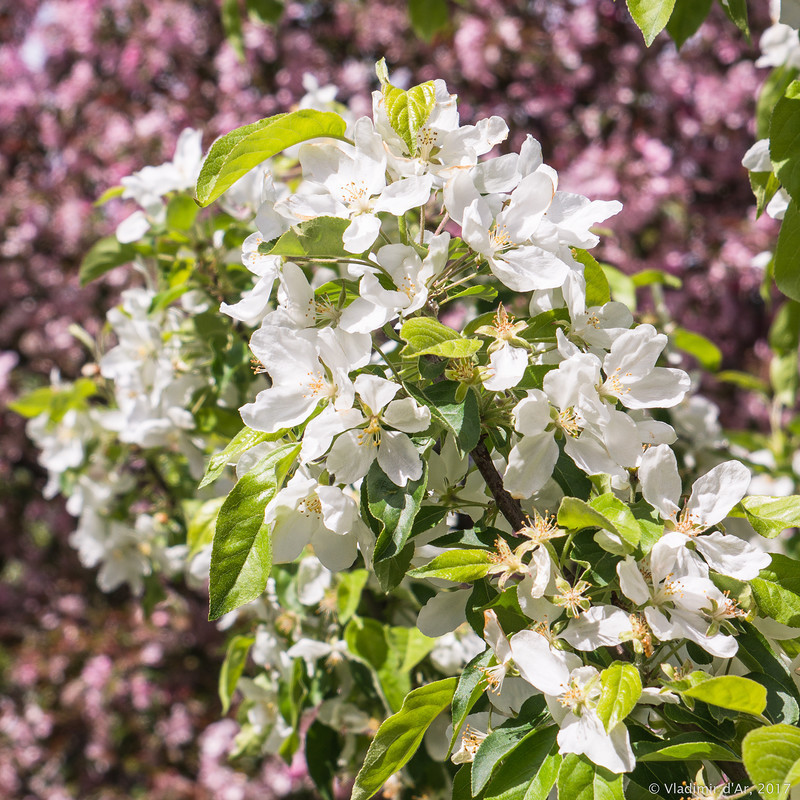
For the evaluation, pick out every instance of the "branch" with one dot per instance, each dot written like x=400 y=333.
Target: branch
x=508 y=506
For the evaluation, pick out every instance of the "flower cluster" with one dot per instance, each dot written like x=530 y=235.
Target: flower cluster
x=437 y=364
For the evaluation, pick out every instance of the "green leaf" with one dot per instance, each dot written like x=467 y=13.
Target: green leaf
x=684 y=747
x=686 y=19
x=267 y=12
x=743 y=380
x=236 y=153
x=623 y=289
x=783 y=374
x=575 y=514
x=394 y=507
x=771 y=756
x=348 y=593
x=512 y=779
x=428 y=17
x=232 y=666
x=649 y=277
x=391 y=571
x=421 y=334
x=109 y=194
x=493 y=749
x=56 y=399
x=770 y=516
x=470 y=687
x=784 y=333
x=459 y=566
x=181 y=212
x=781 y=704
x=737 y=14
x=787 y=274
x=758 y=655
x=322 y=751
x=704 y=350
x=200 y=530
x=241 y=557
x=580 y=779
x=784 y=143
x=317 y=238
x=731 y=691
x=462 y=419
x=598 y=292
x=777 y=590
x=651 y=16
x=773 y=89
x=622 y=688
x=232 y=25
x=620 y=515
x=764 y=186
x=545 y=779
x=408 y=110
x=399 y=737
x=454 y=348
x=246 y=439
x=104 y=256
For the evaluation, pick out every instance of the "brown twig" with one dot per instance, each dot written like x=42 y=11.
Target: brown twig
x=508 y=506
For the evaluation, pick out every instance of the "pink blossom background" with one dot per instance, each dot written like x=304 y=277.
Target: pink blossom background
x=101 y=703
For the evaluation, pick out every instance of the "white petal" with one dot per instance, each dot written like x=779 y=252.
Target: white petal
x=406 y=415
x=507 y=366
x=350 y=460
x=443 y=613
x=398 y=458
x=730 y=555
x=376 y=392
x=600 y=626
x=717 y=492
x=530 y=464
x=660 y=481
x=361 y=233
x=585 y=735
x=542 y=667
x=399 y=197
x=493 y=636
x=631 y=581
x=532 y=413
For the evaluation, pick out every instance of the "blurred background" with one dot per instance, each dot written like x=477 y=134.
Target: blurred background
x=98 y=702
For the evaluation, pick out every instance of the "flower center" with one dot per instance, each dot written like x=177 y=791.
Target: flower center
x=371 y=435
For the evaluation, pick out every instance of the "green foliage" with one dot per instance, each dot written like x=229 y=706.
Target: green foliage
x=580 y=779
x=471 y=685
x=708 y=355
x=390 y=652
x=241 y=557
x=686 y=19
x=56 y=400
x=322 y=748
x=232 y=667
x=423 y=335
x=103 y=257
x=784 y=145
x=731 y=691
x=651 y=16
x=771 y=756
x=576 y=514
x=236 y=153
x=203 y=522
x=622 y=688
x=390 y=509
x=770 y=516
x=461 y=418
x=684 y=747
x=317 y=238
x=407 y=110
x=399 y=737
x=428 y=17
x=787 y=274
x=348 y=593
x=736 y=11
x=246 y=439
x=232 y=25
x=459 y=566
x=598 y=292
x=777 y=590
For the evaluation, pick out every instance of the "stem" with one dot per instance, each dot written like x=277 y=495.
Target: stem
x=508 y=506
x=403 y=229
x=422 y=225
x=388 y=363
x=442 y=224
